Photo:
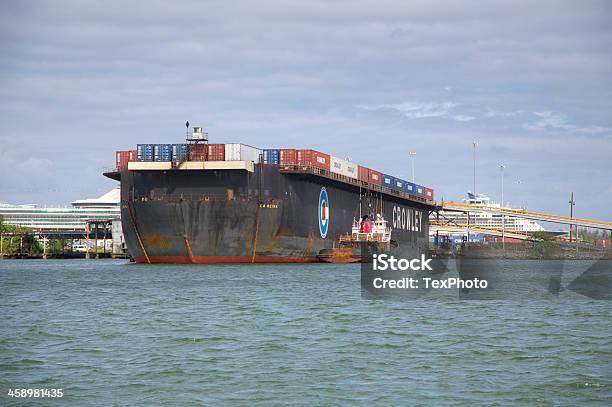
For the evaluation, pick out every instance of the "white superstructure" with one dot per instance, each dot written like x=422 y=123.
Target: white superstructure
x=70 y=219
x=488 y=220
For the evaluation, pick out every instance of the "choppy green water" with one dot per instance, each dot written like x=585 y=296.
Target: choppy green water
x=111 y=333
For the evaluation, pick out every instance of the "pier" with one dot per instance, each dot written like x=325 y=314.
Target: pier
x=444 y=226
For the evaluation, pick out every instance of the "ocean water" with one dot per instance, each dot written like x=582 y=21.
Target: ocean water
x=111 y=333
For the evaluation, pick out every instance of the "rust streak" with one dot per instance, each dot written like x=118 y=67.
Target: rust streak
x=188 y=248
x=256 y=235
x=138 y=234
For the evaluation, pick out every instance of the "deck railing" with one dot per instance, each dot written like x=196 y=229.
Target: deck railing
x=309 y=169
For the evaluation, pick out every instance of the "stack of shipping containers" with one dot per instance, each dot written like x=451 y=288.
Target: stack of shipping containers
x=216 y=152
x=144 y=152
x=271 y=156
x=288 y=156
x=243 y=152
x=123 y=158
x=162 y=152
x=344 y=167
x=179 y=152
x=313 y=158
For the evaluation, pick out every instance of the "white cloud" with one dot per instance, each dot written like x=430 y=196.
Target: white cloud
x=423 y=110
x=594 y=129
x=549 y=120
x=496 y=113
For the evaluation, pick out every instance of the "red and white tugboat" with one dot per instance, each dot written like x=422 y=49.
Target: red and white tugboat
x=348 y=247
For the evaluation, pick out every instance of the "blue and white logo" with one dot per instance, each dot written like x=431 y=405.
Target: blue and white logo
x=323 y=212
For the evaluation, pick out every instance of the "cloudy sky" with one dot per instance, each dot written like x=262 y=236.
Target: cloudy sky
x=530 y=81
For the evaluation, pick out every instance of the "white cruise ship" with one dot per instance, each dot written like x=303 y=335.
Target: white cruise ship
x=487 y=220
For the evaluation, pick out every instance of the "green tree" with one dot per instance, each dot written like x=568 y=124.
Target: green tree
x=15 y=239
x=542 y=236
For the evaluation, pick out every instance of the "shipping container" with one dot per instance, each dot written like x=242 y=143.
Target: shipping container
x=420 y=191
x=429 y=194
x=242 y=152
x=343 y=167
x=121 y=160
x=409 y=188
x=132 y=155
x=179 y=152
x=314 y=158
x=197 y=152
x=398 y=184
x=388 y=181
x=216 y=152
x=477 y=238
x=288 y=156
x=271 y=156
x=368 y=175
x=162 y=152
x=363 y=174
x=375 y=177
x=144 y=152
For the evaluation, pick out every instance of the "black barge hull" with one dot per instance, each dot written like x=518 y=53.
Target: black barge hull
x=270 y=215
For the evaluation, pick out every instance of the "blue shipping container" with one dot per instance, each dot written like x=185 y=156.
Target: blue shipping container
x=399 y=184
x=387 y=181
x=179 y=152
x=271 y=156
x=420 y=191
x=144 y=152
x=409 y=188
x=477 y=238
x=162 y=152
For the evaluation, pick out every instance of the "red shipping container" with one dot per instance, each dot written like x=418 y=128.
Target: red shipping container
x=314 y=158
x=216 y=152
x=288 y=156
x=197 y=152
x=122 y=159
x=363 y=174
x=132 y=155
x=429 y=194
x=375 y=177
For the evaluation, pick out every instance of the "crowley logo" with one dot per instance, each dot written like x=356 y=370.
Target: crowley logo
x=323 y=212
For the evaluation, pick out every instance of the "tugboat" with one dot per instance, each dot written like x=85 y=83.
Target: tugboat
x=348 y=249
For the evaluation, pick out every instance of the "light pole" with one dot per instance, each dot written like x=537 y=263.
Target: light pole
x=412 y=154
x=572 y=203
x=475 y=144
x=502 y=167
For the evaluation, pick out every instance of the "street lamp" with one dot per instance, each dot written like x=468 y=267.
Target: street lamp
x=475 y=144
x=572 y=203
x=412 y=154
x=502 y=167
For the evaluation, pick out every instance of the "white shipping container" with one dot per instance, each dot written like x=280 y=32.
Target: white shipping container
x=242 y=152
x=343 y=167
